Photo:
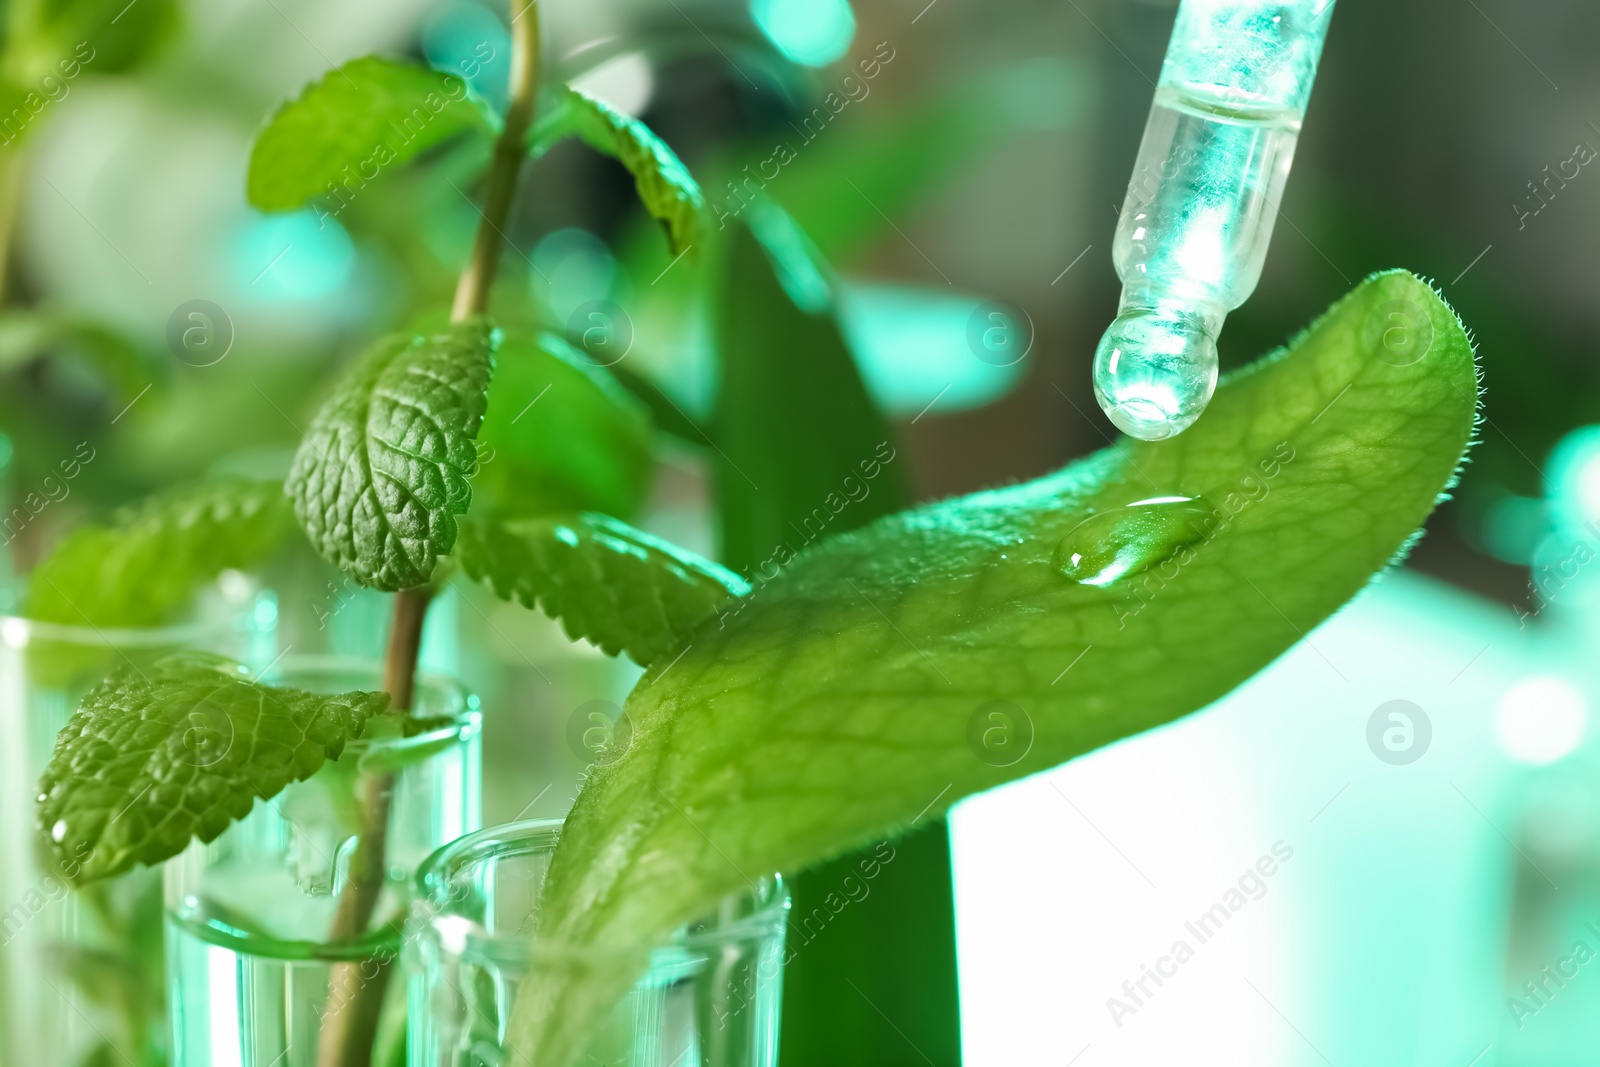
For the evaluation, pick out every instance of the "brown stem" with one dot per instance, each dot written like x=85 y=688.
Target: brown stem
x=405 y=641
x=351 y=1024
x=472 y=293
x=366 y=876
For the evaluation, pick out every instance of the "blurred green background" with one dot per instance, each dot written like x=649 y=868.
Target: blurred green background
x=983 y=158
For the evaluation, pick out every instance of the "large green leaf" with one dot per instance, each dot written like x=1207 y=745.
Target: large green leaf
x=560 y=435
x=802 y=450
x=666 y=189
x=383 y=471
x=857 y=692
x=608 y=583
x=176 y=751
x=344 y=130
x=145 y=567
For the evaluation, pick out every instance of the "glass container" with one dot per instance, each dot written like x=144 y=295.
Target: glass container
x=81 y=971
x=259 y=971
x=711 y=996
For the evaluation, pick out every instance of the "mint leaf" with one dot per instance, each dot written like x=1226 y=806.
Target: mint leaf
x=359 y=120
x=155 y=758
x=802 y=449
x=608 y=583
x=383 y=469
x=145 y=567
x=839 y=706
x=561 y=435
x=664 y=184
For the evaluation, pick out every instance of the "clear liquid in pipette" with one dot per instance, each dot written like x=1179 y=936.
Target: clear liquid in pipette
x=1190 y=245
x=1205 y=193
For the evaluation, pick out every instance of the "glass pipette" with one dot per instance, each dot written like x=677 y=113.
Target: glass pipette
x=1198 y=216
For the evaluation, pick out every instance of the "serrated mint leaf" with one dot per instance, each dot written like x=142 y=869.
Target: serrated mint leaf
x=383 y=470
x=145 y=567
x=560 y=435
x=665 y=186
x=608 y=583
x=853 y=693
x=175 y=751
x=347 y=128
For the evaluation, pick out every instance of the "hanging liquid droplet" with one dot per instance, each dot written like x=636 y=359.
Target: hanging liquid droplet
x=1123 y=541
x=1155 y=370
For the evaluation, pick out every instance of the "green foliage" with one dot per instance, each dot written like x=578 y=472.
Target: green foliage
x=383 y=470
x=145 y=567
x=177 y=751
x=839 y=705
x=895 y=946
x=794 y=415
x=88 y=36
x=887 y=160
x=668 y=417
x=608 y=583
x=30 y=334
x=345 y=129
x=560 y=435
x=665 y=187
x=800 y=441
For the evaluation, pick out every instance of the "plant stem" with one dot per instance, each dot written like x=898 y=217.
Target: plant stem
x=350 y=1024
x=366 y=876
x=472 y=293
x=405 y=642
x=349 y=1031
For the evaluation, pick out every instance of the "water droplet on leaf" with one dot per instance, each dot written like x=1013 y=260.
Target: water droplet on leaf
x=1127 y=540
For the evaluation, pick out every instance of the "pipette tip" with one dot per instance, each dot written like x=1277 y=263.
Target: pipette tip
x=1155 y=370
